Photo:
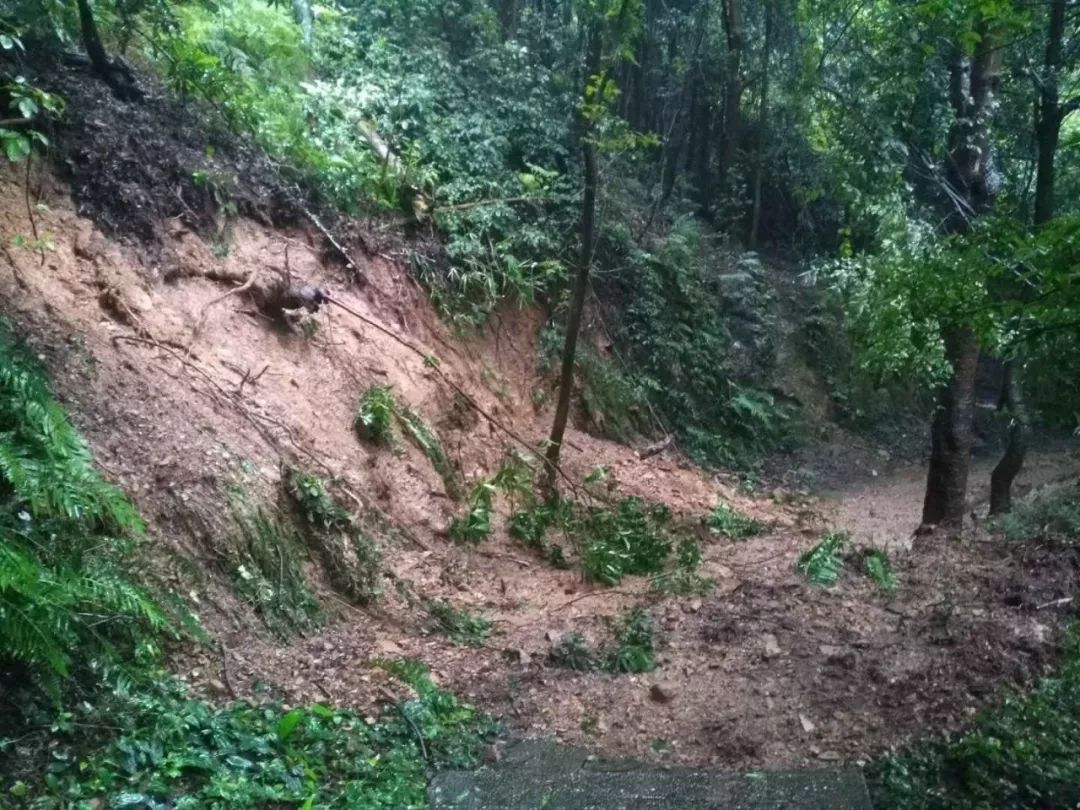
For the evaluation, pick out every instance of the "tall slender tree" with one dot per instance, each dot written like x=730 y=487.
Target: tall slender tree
x=972 y=186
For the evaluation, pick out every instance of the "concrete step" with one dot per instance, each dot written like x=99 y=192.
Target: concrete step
x=544 y=775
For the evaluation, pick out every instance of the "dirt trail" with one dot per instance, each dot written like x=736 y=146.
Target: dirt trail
x=885 y=510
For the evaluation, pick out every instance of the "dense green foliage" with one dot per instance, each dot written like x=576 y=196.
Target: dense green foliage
x=821 y=565
x=69 y=595
x=627 y=538
x=163 y=748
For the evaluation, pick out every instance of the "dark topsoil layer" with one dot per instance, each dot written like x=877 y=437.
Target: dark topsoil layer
x=134 y=165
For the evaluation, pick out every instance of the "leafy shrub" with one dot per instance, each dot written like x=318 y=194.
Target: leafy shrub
x=629 y=539
x=375 y=415
x=729 y=522
x=1019 y=754
x=460 y=626
x=630 y=651
x=1054 y=517
x=476 y=525
x=157 y=747
x=821 y=564
x=573 y=652
x=68 y=592
x=684 y=579
x=633 y=651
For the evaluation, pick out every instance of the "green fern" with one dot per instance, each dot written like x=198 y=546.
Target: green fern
x=66 y=594
x=423 y=436
x=821 y=564
x=879 y=570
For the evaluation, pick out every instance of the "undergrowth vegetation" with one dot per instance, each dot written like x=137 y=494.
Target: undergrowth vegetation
x=163 y=748
x=460 y=626
x=630 y=649
x=1021 y=753
x=377 y=415
x=93 y=722
x=71 y=600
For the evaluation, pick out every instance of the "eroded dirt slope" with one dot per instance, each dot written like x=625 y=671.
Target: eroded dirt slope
x=186 y=396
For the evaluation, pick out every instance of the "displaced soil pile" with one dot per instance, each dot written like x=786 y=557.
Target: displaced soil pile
x=194 y=398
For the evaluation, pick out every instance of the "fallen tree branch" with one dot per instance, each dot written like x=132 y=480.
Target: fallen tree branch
x=350 y=264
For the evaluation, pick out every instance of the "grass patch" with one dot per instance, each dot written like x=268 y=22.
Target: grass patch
x=460 y=626
x=1019 y=754
x=729 y=522
x=164 y=749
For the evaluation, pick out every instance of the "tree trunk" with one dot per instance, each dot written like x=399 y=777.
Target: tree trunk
x=729 y=142
x=1012 y=462
x=970 y=173
x=113 y=72
x=581 y=278
x=304 y=18
x=763 y=133
x=1047 y=133
x=951 y=434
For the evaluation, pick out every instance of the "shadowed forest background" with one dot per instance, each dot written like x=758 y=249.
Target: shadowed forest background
x=693 y=380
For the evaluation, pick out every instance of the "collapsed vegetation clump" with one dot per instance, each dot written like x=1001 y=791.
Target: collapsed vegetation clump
x=630 y=537
x=267 y=571
x=460 y=626
x=378 y=413
x=350 y=557
x=725 y=520
x=629 y=651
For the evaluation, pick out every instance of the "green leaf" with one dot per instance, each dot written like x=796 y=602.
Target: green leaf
x=288 y=723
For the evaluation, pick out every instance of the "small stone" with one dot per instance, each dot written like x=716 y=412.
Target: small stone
x=807 y=724
x=217 y=686
x=662 y=692
x=830 y=756
x=385 y=646
x=695 y=605
x=772 y=646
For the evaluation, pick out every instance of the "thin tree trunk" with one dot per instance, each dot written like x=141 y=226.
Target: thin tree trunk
x=1047 y=133
x=304 y=18
x=951 y=434
x=581 y=278
x=1012 y=461
x=729 y=142
x=763 y=134
x=113 y=72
